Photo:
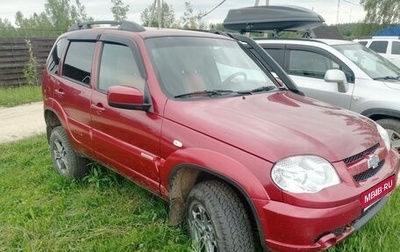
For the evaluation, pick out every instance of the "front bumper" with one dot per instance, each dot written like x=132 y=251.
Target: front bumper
x=291 y=228
x=287 y=227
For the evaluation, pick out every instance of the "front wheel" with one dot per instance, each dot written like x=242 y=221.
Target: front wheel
x=65 y=160
x=392 y=127
x=217 y=219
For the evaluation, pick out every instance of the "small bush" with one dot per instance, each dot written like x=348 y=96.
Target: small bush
x=30 y=70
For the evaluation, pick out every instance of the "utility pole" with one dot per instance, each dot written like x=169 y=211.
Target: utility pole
x=258 y=2
x=337 y=13
x=152 y=13
x=156 y=4
x=159 y=13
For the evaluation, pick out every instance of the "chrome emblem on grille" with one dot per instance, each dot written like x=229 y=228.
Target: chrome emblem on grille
x=373 y=161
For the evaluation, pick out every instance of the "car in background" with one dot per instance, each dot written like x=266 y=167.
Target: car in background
x=339 y=72
x=387 y=46
x=345 y=74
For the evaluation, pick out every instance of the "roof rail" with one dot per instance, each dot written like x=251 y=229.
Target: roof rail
x=386 y=37
x=123 y=25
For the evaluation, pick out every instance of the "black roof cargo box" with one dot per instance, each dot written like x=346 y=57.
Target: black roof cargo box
x=272 y=18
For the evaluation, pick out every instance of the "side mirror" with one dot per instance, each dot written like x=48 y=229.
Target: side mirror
x=337 y=76
x=126 y=98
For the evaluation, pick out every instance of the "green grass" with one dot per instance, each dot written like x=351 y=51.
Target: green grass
x=16 y=96
x=41 y=211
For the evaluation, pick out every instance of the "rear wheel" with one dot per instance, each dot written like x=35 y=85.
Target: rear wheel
x=392 y=126
x=217 y=219
x=65 y=160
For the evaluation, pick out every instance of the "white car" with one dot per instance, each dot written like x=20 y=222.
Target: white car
x=387 y=46
x=345 y=74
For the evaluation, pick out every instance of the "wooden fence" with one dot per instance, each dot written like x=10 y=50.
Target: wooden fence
x=14 y=57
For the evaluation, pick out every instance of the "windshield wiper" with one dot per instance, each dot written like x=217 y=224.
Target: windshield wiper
x=221 y=92
x=263 y=89
x=257 y=90
x=208 y=93
x=387 y=78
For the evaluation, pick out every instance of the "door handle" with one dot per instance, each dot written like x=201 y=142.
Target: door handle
x=99 y=108
x=59 y=92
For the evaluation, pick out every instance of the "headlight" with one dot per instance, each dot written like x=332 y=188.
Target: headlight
x=384 y=136
x=304 y=174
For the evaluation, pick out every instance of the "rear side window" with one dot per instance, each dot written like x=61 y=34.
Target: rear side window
x=78 y=61
x=310 y=64
x=55 y=56
x=379 y=46
x=276 y=54
x=395 y=47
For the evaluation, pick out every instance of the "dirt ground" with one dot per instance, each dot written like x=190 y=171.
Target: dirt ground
x=21 y=121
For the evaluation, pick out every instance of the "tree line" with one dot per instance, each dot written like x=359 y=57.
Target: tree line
x=59 y=15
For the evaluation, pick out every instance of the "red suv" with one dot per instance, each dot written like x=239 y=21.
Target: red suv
x=198 y=119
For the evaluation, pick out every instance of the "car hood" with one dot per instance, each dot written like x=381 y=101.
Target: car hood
x=393 y=84
x=276 y=125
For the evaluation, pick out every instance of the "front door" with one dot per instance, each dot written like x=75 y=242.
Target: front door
x=124 y=139
x=308 y=68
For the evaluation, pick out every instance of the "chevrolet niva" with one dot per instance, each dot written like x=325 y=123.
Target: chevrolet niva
x=199 y=120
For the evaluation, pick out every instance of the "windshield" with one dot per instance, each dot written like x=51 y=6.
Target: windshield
x=194 y=66
x=373 y=64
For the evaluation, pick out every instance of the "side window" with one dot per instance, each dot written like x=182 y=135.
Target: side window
x=55 y=55
x=395 y=47
x=276 y=54
x=310 y=64
x=119 y=66
x=379 y=46
x=78 y=61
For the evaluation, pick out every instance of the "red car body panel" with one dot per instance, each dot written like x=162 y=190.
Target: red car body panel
x=269 y=113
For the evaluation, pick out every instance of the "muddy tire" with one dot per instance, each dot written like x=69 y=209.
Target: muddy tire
x=217 y=219
x=65 y=160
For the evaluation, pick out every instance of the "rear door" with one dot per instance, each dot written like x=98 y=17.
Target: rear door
x=73 y=91
x=307 y=66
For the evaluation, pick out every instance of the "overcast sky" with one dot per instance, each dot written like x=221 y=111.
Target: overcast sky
x=348 y=11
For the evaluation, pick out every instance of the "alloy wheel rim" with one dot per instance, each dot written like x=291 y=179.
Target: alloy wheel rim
x=60 y=156
x=202 y=229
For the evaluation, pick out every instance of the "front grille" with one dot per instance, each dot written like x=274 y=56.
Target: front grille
x=369 y=173
x=360 y=155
